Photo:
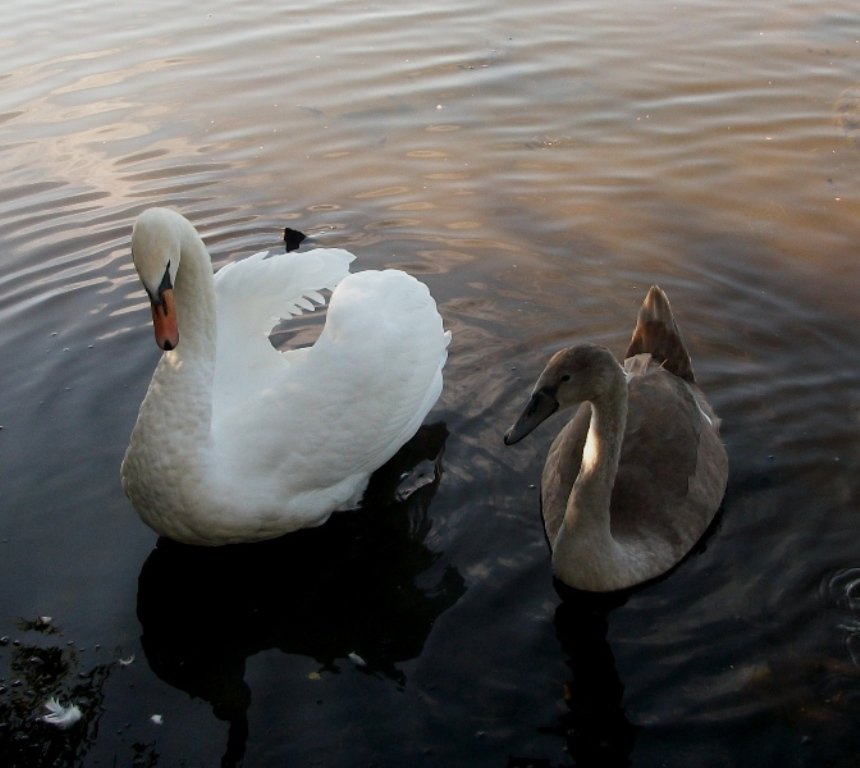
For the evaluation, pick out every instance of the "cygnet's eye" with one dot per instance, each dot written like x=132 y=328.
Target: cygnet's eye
x=566 y=377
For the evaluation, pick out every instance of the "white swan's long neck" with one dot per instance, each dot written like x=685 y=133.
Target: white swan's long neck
x=584 y=540
x=195 y=297
x=171 y=444
x=187 y=372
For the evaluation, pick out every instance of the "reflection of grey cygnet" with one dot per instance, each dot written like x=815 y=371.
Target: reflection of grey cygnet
x=636 y=476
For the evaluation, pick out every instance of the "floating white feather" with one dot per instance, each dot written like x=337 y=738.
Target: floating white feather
x=60 y=716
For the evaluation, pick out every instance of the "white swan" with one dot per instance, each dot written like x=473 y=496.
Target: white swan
x=635 y=477
x=238 y=442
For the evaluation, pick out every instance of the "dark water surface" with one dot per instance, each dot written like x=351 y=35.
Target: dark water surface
x=539 y=165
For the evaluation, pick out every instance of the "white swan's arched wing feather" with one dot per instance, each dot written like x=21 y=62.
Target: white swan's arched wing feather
x=344 y=407
x=262 y=289
x=253 y=295
x=383 y=349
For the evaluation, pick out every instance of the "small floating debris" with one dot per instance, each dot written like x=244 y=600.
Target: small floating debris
x=356 y=659
x=43 y=624
x=157 y=719
x=60 y=716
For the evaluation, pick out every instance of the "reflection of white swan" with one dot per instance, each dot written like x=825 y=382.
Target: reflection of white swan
x=636 y=476
x=236 y=441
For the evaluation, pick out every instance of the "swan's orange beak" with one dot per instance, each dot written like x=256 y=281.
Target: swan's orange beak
x=164 y=320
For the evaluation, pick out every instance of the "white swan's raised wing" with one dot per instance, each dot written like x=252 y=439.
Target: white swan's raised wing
x=346 y=406
x=253 y=295
x=381 y=353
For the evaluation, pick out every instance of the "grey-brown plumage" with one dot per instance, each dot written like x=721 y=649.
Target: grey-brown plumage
x=635 y=477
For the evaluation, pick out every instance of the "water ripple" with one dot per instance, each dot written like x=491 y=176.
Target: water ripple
x=842 y=589
x=539 y=165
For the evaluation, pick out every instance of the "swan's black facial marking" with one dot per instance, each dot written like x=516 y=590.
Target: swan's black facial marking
x=165 y=285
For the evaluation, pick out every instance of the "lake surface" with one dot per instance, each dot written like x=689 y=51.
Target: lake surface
x=538 y=165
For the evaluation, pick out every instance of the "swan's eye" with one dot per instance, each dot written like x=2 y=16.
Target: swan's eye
x=566 y=377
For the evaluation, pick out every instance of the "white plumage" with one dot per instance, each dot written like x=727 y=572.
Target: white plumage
x=236 y=441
